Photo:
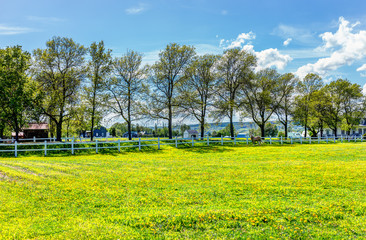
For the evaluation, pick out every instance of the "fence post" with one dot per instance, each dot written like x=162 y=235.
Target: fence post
x=96 y=146
x=310 y=140
x=12 y=139
x=327 y=138
x=291 y=140
x=341 y=138
x=158 y=143
x=270 y=139
x=234 y=140
x=355 y=138
x=34 y=138
x=192 y=142
x=139 y=143
x=361 y=138
x=300 y=139
x=318 y=139
x=334 y=139
x=16 y=149
x=54 y=139
x=208 y=140
x=119 y=145
x=222 y=140
x=176 y=142
x=45 y=147
x=281 y=141
x=72 y=146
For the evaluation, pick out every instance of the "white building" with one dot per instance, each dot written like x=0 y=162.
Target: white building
x=359 y=130
x=190 y=134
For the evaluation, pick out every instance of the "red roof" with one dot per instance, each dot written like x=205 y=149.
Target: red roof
x=37 y=126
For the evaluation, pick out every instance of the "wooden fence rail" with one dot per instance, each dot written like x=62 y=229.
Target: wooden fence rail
x=96 y=145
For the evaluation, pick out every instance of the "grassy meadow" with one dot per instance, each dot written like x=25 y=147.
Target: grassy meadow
x=218 y=192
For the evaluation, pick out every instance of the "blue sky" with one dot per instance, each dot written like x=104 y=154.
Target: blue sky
x=327 y=37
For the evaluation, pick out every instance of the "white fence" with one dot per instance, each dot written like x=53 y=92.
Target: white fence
x=73 y=145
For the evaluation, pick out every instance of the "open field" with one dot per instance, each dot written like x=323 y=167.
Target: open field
x=292 y=191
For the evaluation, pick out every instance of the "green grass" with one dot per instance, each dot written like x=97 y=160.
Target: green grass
x=220 y=192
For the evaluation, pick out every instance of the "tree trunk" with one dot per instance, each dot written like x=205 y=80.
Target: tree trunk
x=286 y=134
x=92 y=127
x=129 y=130
x=262 y=126
x=231 y=123
x=202 y=130
x=59 y=131
x=170 y=121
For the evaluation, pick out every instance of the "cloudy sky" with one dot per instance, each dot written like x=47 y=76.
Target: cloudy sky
x=322 y=36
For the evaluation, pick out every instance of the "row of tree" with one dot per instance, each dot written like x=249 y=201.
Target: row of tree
x=76 y=87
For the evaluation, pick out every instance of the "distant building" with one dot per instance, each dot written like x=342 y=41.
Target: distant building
x=358 y=130
x=98 y=132
x=38 y=130
x=190 y=133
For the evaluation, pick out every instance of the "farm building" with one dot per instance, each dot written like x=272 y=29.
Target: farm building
x=38 y=130
x=358 y=130
x=190 y=133
x=98 y=132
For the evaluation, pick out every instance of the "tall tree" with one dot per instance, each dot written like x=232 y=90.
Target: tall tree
x=287 y=88
x=196 y=94
x=310 y=84
x=234 y=69
x=167 y=75
x=59 y=69
x=353 y=109
x=17 y=91
x=99 y=66
x=345 y=105
x=126 y=88
x=262 y=96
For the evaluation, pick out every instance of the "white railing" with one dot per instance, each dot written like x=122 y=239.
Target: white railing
x=73 y=145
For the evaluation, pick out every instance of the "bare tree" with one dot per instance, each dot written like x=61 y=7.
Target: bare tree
x=126 y=87
x=287 y=87
x=99 y=66
x=196 y=94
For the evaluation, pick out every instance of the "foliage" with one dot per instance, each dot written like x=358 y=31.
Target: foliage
x=59 y=70
x=126 y=88
x=234 y=69
x=166 y=75
x=262 y=95
x=99 y=67
x=17 y=92
x=197 y=92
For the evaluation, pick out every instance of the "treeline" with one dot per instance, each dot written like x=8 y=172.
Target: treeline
x=74 y=87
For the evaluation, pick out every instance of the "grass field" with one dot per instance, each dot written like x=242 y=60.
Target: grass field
x=219 y=192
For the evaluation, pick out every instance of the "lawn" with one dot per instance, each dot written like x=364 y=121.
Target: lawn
x=219 y=192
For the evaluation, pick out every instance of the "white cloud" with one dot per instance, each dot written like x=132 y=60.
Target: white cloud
x=9 y=30
x=346 y=45
x=272 y=58
x=136 y=10
x=362 y=68
x=238 y=42
x=364 y=89
x=265 y=59
x=287 y=41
